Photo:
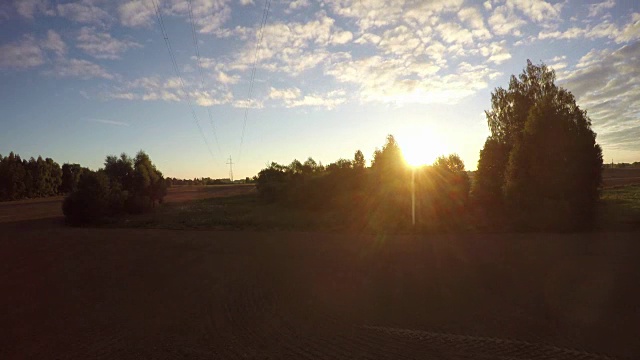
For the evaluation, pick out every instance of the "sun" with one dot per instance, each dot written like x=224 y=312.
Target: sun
x=420 y=148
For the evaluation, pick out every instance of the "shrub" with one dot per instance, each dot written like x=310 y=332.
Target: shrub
x=90 y=202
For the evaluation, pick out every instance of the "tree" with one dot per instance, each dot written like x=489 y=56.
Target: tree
x=450 y=188
x=70 y=177
x=358 y=160
x=541 y=157
x=90 y=202
x=488 y=182
x=12 y=177
x=554 y=172
x=148 y=182
x=388 y=163
x=121 y=170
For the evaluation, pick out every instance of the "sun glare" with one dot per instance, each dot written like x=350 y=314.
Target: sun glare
x=420 y=148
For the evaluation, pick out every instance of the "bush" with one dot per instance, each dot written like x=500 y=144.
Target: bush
x=90 y=202
x=125 y=185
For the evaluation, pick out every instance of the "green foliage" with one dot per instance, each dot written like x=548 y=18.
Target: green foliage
x=90 y=202
x=12 y=178
x=358 y=160
x=70 y=177
x=376 y=198
x=28 y=179
x=541 y=160
x=489 y=178
x=125 y=185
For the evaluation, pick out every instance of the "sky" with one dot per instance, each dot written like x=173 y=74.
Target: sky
x=84 y=79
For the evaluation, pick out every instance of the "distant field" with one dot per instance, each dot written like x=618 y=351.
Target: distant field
x=620 y=208
x=48 y=208
x=617 y=177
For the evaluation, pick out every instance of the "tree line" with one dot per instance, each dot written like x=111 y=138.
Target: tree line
x=124 y=185
x=540 y=169
x=377 y=197
x=205 y=181
x=34 y=178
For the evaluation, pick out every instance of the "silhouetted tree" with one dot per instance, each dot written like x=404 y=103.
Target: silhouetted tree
x=120 y=170
x=541 y=157
x=12 y=177
x=90 y=202
x=358 y=160
x=70 y=177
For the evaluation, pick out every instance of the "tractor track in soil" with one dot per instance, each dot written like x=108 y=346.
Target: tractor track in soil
x=162 y=294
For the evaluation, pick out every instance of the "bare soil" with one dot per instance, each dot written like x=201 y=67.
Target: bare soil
x=620 y=177
x=51 y=208
x=80 y=293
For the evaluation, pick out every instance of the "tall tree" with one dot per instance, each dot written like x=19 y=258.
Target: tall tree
x=541 y=145
x=358 y=160
x=70 y=177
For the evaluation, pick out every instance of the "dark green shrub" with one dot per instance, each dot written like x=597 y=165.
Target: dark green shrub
x=90 y=202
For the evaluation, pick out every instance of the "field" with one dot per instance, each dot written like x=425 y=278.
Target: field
x=139 y=293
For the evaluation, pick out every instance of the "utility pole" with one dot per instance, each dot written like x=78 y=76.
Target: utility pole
x=230 y=163
x=413 y=195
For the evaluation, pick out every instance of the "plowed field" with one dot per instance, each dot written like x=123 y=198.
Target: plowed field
x=81 y=293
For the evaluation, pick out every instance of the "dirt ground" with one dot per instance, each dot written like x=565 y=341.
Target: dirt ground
x=80 y=293
x=51 y=208
x=620 y=177
x=72 y=293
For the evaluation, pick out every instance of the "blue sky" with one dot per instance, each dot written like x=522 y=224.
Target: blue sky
x=81 y=80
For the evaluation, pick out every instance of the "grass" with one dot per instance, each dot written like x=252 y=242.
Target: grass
x=233 y=212
x=619 y=210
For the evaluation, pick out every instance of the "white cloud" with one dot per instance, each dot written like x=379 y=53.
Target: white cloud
x=341 y=37
x=22 y=54
x=78 y=68
x=605 y=84
x=473 y=18
x=537 y=10
x=155 y=88
x=496 y=52
x=292 y=97
x=299 y=4
x=210 y=98
x=400 y=41
x=504 y=22
x=327 y=101
x=28 y=8
x=84 y=11
x=227 y=79
x=368 y=13
x=630 y=31
x=101 y=45
x=454 y=33
x=208 y=15
x=135 y=13
x=252 y=104
x=598 y=8
x=605 y=29
x=284 y=94
x=291 y=48
x=54 y=43
x=391 y=80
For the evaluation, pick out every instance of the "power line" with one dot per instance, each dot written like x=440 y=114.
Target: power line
x=263 y=22
x=197 y=47
x=176 y=69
